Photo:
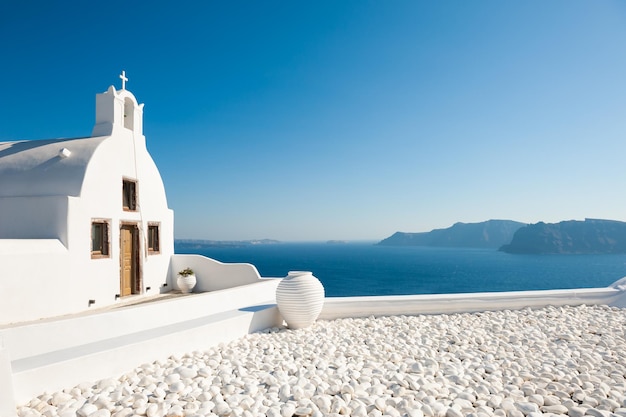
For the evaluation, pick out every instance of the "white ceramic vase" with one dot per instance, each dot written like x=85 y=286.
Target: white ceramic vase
x=186 y=283
x=300 y=298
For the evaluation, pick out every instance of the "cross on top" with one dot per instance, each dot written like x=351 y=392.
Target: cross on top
x=124 y=79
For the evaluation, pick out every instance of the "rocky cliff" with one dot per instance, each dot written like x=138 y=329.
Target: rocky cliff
x=489 y=234
x=588 y=236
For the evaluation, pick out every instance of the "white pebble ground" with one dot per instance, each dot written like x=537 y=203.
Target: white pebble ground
x=552 y=361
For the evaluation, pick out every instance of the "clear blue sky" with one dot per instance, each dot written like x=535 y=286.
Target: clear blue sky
x=341 y=119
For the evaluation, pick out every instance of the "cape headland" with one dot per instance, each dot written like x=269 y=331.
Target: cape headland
x=488 y=234
x=591 y=236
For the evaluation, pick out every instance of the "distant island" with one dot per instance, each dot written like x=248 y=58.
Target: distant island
x=185 y=244
x=591 y=236
x=488 y=234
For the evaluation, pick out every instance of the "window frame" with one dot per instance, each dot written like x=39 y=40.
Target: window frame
x=152 y=239
x=104 y=251
x=133 y=200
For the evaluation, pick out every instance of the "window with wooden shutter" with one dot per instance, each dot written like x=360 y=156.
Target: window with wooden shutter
x=154 y=238
x=129 y=195
x=100 y=247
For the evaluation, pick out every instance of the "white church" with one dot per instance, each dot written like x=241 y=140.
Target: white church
x=83 y=222
x=86 y=240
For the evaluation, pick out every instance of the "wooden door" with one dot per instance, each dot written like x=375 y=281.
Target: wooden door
x=129 y=260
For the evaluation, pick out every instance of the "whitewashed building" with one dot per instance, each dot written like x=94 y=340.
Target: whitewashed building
x=83 y=222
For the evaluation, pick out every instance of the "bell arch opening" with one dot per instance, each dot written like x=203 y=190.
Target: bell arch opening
x=129 y=113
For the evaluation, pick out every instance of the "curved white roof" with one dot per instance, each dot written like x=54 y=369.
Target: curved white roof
x=38 y=168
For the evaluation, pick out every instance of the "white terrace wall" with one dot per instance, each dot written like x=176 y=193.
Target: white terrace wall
x=27 y=267
x=212 y=275
x=340 y=307
x=55 y=354
x=51 y=355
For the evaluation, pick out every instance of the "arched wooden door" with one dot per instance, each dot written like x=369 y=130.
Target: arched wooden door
x=129 y=260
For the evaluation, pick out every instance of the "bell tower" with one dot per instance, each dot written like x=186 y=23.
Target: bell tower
x=118 y=110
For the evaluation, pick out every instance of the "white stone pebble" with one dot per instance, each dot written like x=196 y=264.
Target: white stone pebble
x=527 y=363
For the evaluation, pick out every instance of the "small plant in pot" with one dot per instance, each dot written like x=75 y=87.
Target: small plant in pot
x=186 y=280
x=186 y=272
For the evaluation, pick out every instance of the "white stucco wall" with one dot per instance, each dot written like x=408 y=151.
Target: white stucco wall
x=31 y=275
x=54 y=354
x=101 y=197
x=7 y=392
x=212 y=275
x=34 y=217
x=340 y=307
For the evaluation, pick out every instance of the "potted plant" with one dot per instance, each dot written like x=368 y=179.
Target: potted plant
x=186 y=280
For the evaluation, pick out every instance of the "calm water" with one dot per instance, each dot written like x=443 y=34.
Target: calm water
x=365 y=269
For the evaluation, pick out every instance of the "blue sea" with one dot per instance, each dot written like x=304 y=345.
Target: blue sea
x=356 y=269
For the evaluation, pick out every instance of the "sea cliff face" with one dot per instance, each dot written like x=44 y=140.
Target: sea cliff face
x=590 y=236
x=489 y=234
